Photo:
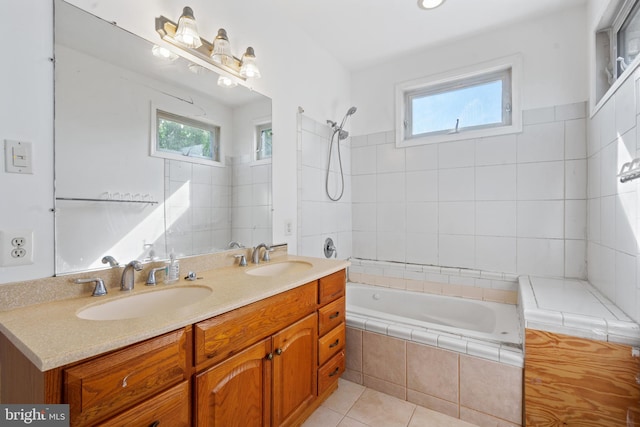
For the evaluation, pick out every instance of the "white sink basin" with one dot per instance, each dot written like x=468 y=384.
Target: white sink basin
x=279 y=268
x=145 y=304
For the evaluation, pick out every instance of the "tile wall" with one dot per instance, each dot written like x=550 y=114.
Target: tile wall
x=459 y=385
x=613 y=207
x=510 y=204
x=318 y=216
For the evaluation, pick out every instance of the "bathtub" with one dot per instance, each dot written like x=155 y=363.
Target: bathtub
x=464 y=325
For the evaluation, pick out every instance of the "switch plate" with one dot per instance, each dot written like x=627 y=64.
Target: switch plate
x=16 y=247
x=17 y=156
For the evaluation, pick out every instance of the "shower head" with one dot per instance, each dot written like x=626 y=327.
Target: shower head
x=350 y=112
x=343 y=134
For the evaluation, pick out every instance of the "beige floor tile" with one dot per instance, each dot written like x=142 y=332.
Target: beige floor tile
x=350 y=422
x=323 y=417
x=380 y=410
x=423 y=417
x=344 y=397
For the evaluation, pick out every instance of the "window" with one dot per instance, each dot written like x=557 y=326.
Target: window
x=478 y=102
x=182 y=138
x=617 y=45
x=263 y=139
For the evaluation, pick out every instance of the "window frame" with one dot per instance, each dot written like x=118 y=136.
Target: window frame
x=454 y=80
x=155 y=151
x=258 y=127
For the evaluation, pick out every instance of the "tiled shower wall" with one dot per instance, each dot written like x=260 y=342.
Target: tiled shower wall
x=511 y=204
x=318 y=216
x=613 y=206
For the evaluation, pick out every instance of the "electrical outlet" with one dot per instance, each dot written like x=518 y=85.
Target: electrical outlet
x=16 y=247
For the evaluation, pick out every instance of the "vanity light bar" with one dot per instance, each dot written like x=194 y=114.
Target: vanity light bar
x=167 y=30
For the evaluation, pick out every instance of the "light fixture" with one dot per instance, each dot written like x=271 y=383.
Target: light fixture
x=222 y=48
x=217 y=53
x=249 y=68
x=187 y=31
x=163 y=53
x=429 y=4
x=225 y=81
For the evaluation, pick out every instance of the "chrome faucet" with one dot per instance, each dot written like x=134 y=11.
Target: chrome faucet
x=255 y=256
x=111 y=260
x=128 y=275
x=235 y=244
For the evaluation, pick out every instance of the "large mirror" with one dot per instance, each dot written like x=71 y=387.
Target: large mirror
x=152 y=157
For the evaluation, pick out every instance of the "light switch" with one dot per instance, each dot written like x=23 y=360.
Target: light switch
x=17 y=156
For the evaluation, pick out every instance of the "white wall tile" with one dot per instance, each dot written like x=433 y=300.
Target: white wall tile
x=575 y=178
x=575 y=259
x=364 y=188
x=363 y=160
x=593 y=219
x=541 y=142
x=422 y=186
x=456 y=217
x=625 y=107
x=540 y=181
x=496 y=182
x=626 y=223
x=496 y=254
x=458 y=251
x=390 y=187
x=538 y=115
x=542 y=219
x=496 y=218
x=364 y=217
x=391 y=246
x=422 y=157
x=625 y=293
x=608 y=221
x=456 y=154
x=575 y=219
x=364 y=244
x=422 y=217
x=577 y=110
x=422 y=248
x=540 y=257
x=575 y=139
x=607 y=124
x=391 y=217
x=389 y=158
x=593 y=176
x=456 y=184
x=496 y=150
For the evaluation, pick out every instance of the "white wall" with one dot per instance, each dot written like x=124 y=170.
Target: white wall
x=287 y=70
x=613 y=252
x=554 y=60
x=514 y=203
x=26 y=113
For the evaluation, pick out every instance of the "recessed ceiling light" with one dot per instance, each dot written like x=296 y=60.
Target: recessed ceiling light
x=429 y=4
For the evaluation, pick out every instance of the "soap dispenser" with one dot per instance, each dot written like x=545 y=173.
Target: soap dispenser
x=172 y=272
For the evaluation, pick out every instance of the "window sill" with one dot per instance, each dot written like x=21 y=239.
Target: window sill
x=457 y=136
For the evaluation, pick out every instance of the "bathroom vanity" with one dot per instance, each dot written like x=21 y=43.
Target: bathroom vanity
x=258 y=351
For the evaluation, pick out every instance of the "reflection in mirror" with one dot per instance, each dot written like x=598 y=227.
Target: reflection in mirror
x=151 y=158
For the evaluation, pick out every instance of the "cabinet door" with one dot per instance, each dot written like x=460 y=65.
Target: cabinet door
x=294 y=370
x=236 y=392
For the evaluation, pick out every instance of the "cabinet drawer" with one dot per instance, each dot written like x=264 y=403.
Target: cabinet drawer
x=331 y=343
x=169 y=408
x=101 y=387
x=330 y=316
x=225 y=335
x=332 y=287
x=330 y=372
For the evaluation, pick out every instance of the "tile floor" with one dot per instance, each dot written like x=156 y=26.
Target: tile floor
x=353 y=405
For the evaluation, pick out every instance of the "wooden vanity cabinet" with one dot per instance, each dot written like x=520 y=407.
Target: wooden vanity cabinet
x=272 y=382
x=100 y=388
x=332 y=331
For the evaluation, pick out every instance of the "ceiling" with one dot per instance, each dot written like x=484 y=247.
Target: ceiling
x=359 y=33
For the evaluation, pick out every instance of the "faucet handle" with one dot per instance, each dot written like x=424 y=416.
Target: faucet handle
x=151 y=279
x=266 y=257
x=99 y=289
x=243 y=260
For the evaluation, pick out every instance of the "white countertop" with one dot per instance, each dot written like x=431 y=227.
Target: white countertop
x=51 y=335
x=574 y=307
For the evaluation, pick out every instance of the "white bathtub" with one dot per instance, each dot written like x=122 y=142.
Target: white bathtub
x=485 y=329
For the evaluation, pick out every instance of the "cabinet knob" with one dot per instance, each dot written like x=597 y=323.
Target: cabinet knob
x=278 y=351
x=334 y=315
x=154 y=424
x=270 y=356
x=335 y=372
x=335 y=343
